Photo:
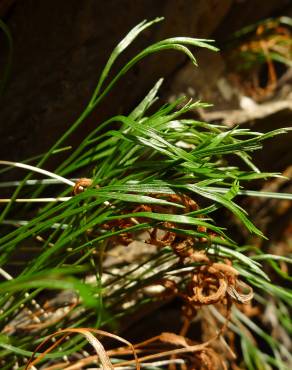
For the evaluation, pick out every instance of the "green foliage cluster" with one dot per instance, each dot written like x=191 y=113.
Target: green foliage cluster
x=149 y=152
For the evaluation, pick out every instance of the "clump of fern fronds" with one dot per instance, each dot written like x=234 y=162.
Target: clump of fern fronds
x=129 y=221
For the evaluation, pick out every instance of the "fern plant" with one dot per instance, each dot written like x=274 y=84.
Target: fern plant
x=154 y=186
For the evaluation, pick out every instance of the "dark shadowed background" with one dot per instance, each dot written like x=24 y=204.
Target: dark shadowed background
x=61 y=46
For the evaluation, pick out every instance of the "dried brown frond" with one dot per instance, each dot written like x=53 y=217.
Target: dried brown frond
x=101 y=353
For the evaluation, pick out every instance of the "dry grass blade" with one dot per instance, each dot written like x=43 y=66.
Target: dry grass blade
x=171 y=339
x=38 y=170
x=167 y=338
x=102 y=355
